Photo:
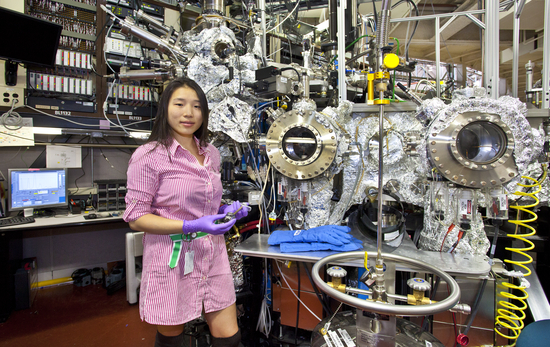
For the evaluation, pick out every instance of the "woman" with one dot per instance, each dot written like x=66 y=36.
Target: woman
x=174 y=195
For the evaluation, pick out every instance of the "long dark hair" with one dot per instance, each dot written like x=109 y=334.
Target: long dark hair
x=162 y=132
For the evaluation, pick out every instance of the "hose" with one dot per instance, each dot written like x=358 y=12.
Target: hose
x=511 y=315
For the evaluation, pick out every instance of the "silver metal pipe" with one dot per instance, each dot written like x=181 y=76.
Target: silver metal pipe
x=437 y=57
x=137 y=75
x=546 y=59
x=515 y=50
x=395 y=310
x=529 y=81
x=341 y=19
x=262 y=26
x=213 y=5
x=129 y=27
x=379 y=223
x=158 y=25
x=492 y=55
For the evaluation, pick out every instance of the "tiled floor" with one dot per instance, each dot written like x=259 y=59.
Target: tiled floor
x=67 y=315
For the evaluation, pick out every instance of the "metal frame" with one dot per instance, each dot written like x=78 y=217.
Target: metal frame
x=491 y=31
x=546 y=58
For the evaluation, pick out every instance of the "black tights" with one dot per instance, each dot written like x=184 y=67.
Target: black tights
x=177 y=341
x=233 y=341
x=168 y=341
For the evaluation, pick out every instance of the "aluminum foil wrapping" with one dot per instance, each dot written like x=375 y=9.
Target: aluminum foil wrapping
x=225 y=153
x=528 y=142
x=528 y=145
x=235 y=262
x=247 y=62
x=428 y=110
x=338 y=117
x=233 y=87
x=534 y=170
x=432 y=237
x=256 y=46
x=205 y=73
x=201 y=43
x=397 y=165
x=319 y=204
x=232 y=117
x=351 y=173
x=305 y=104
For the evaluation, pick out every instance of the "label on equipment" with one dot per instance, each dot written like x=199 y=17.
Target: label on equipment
x=503 y=202
x=327 y=340
x=347 y=339
x=465 y=207
x=335 y=338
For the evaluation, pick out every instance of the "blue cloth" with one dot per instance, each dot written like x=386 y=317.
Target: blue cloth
x=333 y=234
x=319 y=246
x=536 y=334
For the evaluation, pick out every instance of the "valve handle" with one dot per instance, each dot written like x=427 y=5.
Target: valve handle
x=337 y=271
x=419 y=284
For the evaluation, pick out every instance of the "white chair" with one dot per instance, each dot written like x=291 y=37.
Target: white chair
x=134 y=248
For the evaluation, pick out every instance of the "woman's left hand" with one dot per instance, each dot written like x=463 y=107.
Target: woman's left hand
x=243 y=212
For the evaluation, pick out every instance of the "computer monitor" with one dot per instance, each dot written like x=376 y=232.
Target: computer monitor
x=37 y=188
x=27 y=39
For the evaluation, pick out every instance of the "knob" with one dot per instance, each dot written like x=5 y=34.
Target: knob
x=337 y=271
x=419 y=284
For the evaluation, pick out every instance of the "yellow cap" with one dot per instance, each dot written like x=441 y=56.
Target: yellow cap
x=391 y=61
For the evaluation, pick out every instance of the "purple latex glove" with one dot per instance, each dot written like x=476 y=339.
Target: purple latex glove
x=243 y=212
x=206 y=225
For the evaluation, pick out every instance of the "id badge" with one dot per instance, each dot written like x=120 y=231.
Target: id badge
x=189 y=258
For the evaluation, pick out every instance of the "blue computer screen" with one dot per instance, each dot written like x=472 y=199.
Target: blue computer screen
x=37 y=188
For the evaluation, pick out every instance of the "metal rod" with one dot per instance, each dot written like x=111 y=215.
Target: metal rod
x=379 y=234
x=492 y=54
x=437 y=57
x=433 y=16
x=341 y=19
x=515 y=49
x=546 y=59
x=262 y=26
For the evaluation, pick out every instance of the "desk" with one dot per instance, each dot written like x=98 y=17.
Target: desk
x=61 y=245
x=454 y=264
x=60 y=221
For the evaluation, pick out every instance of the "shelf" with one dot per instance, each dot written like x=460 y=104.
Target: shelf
x=77 y=35
x=78 y=4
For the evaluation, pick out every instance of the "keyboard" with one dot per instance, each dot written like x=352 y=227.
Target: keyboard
x=6 y=222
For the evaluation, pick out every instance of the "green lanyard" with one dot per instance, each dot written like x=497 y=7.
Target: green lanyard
x=176 y=248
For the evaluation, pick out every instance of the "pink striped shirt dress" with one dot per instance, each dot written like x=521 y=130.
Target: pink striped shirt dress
x=172 y=184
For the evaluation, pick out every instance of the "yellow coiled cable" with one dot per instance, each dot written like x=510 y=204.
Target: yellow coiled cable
x=506 y=317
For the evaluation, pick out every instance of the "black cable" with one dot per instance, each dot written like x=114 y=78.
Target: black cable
x=297 y=306
x=496 y=224
x=327 y=309
x=415 y=26
x=291 y=68
x=83 y=174
x=432 y=295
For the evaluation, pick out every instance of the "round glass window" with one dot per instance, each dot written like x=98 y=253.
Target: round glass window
x=481 y=142
x=299 y=144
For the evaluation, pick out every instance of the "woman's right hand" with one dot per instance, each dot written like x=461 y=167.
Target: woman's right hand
x=207 y=224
